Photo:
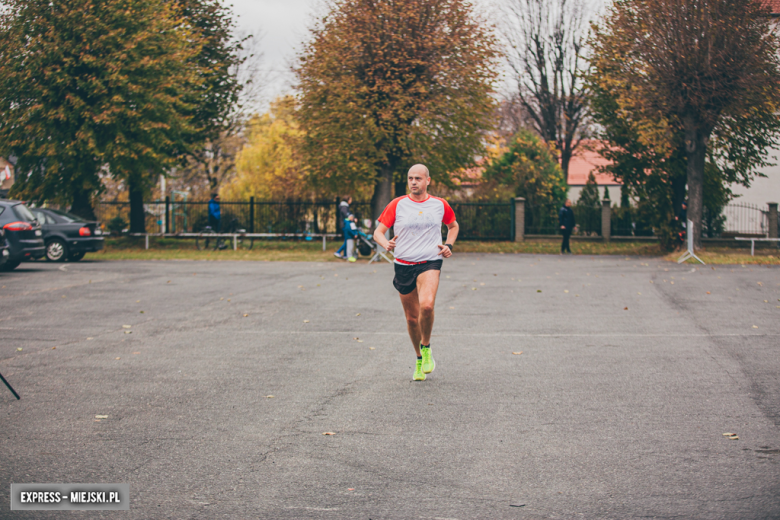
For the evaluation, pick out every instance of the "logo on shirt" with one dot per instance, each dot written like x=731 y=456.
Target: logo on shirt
x=421 y=223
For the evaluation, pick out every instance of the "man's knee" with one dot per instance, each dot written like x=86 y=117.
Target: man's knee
x=426 y=308
x=412 y=320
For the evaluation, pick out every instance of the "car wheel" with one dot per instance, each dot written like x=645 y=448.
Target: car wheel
x=10 y=266
x=75 y=257
x=56 y=251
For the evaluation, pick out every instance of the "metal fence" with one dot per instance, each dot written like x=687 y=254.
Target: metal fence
x=746 y=219
x=478 y=221
x=485 y=221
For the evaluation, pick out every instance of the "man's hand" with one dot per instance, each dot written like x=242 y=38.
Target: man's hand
x=391 y=245
x=445 y=251
x=563 y=227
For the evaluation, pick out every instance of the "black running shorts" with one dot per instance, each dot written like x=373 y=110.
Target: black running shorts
x=405 y=280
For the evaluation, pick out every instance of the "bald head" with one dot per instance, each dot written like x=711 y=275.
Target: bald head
x=419 y=178
x=420 y=169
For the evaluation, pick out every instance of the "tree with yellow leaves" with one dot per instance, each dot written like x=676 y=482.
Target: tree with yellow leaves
x=269 y=166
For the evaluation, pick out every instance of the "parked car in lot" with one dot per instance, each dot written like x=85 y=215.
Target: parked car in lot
x=67 y=236
x=22 y=232
x=3 y=248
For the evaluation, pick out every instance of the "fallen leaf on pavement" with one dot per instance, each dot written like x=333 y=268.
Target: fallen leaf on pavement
x=19 y=349
x=128 y=332
x=566 y=290
x=517 y=353
x=708 y=292
x=538 y=290
x=625 y=308
x=117 y=358
x=126 y=326
x=358 y=314
x=245 y=315
x=371 y=348
x=89 y=339
x=755 y=326
x=328 y=433
x=269 y=397
x=306 y=321
x=101 y=417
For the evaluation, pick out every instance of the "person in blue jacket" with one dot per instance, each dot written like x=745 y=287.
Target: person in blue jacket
x=344 y=213
x=350 y=235
x=215 y=215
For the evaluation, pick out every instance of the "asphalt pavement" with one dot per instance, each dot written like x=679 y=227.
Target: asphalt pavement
x=565 y=387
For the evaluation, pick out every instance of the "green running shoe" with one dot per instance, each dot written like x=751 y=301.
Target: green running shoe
x=428 y=364
x=418 y=371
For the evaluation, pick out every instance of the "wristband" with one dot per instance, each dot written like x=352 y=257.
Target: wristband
x=450 y=246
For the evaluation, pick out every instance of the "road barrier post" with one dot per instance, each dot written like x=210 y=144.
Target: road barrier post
x=606 y=219
x=519 y=219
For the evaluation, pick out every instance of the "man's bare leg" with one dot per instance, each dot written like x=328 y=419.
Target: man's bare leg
x=427 y=286
x=411 y=303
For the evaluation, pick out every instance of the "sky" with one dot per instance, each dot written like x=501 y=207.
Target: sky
x=282 y=25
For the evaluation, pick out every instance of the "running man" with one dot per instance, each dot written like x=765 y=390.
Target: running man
x=416 y=220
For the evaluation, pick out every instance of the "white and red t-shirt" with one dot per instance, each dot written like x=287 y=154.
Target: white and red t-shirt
x=417 y=226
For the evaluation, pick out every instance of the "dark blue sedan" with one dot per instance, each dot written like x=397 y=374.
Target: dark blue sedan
x=67 y=236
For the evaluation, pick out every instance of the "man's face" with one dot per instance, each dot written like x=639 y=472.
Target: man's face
x=568 y=204
x=418 y=181
x=216 y=198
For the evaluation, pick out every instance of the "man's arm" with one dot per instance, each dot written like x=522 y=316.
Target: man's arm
x=381 y=239
x=452 y=236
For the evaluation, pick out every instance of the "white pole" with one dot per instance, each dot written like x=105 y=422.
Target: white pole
x=323 y=244
x=163 y=190
x=147 y=241
x=235 y=242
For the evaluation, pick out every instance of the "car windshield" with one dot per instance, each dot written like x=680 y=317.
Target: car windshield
x=68 y=217
x=22 y=213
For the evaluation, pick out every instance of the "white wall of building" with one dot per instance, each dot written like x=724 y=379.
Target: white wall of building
x=614 y=194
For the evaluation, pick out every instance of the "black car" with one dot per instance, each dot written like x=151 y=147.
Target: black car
x=22 y=232
x=67 y=236
x=3 y=248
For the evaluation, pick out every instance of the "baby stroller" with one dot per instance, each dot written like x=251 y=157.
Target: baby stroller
x=366 y=246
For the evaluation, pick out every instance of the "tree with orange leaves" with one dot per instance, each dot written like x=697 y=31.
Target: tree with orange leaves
x=385 y=84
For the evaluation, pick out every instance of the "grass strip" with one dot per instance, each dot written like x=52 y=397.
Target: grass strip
x=311 y=251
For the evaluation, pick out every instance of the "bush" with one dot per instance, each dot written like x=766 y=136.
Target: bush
x=116 y=225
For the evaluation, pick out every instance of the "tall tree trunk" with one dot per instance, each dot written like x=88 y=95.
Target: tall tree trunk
x=400 y=188
x=137 y=218
x=82 y=203
x=696 y=151
x=566 y=153
x=383 y=191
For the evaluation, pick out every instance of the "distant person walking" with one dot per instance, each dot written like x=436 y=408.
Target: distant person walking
x=343 y=215
x=215 y=218
x=416 y=220
x=566 y=221
x=215 y=215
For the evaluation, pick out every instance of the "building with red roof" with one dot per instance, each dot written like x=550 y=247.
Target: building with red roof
x=587 y=160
